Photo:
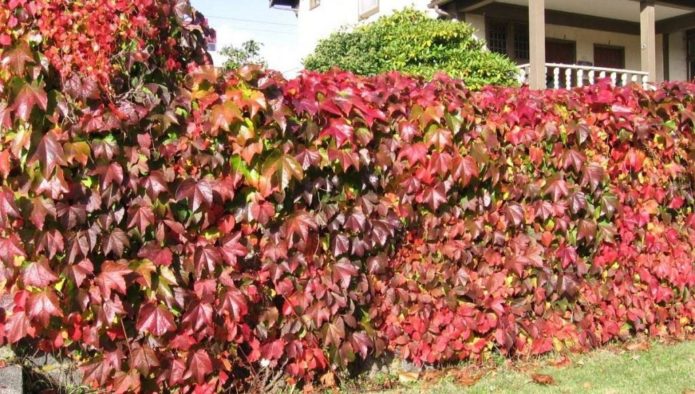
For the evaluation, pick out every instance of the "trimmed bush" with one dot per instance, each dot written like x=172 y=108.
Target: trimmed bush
x=204 y=231
x=411 y=42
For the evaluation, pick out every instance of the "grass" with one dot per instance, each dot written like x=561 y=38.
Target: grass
x=660 y=369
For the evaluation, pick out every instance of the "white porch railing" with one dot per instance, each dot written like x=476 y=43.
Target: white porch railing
x=567 y=76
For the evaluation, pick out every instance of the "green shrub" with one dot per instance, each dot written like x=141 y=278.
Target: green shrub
x=249 y=52
x=411 y=42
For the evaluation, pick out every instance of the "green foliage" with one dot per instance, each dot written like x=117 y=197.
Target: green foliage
x=411 y=42
x=249 y=52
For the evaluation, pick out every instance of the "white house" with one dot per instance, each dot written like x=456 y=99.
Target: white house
x=557 y=43
x=317 y=19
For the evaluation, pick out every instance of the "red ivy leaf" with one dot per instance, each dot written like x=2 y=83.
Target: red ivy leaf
x=17 y=58
x=232 y=249
x=273 y=350
x=221 y=115
x=43 y=305
x=434 y=196
x=8 y=208
x=155 y=319
x=112 y=277
x=143 y=358
x=199 y=365
x=116 y=241
x=10 y=248
x=299 y=224
x=196 y=192
x=18 y=326
x=281 y=169
x=157 y=255
x=592 y=175
x=126 y=382
x=38 y=274
x=81 y=271
x=340 y=244
x=5 y=117
x=438 y=137
x=155 y=184
x=334 y=333
x=206 y=256
x=234 y=303
x=557 y=188
x=361 y=343
x=573 y=159
x=199 y=316
x=338 y=129
x=465 y=169
x=414 y=153
x=586 y=230
x=141 y=216
x=343 y=271
x=514 y=213
x=29 y=96
x=41 y=207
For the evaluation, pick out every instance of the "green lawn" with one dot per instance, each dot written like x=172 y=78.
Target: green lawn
x=660 y=369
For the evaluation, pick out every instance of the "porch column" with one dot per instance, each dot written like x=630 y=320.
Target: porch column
x=536 y=26
x=648 y=37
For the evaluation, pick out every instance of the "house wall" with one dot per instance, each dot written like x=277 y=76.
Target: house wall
x=586 y=38
x=478 y=23
x=331 y=15
x=678 y=69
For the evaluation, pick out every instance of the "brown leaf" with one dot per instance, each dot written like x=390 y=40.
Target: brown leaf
x=542 y=379
x=408 y=377
x=560 y=362
x=465 y=378
x=638 y=346
x=328 y=380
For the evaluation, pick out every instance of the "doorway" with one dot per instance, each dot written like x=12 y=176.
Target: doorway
x=608 y=56
x=560 y=51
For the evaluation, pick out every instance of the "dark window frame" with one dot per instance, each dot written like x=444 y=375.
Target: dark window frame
x=516 y=38
x=366 y=13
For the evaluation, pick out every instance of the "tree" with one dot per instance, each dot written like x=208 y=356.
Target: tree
x=411 y=42
x=249 y=52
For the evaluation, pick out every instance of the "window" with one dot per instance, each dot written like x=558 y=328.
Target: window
x=212 y=46
x=521 y=42
x=367 y=8
x=314 y=3
x=690 y=37
x=508 y=38
x=497 y=37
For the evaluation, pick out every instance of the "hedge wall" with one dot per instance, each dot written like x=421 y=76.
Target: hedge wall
x=171 y=230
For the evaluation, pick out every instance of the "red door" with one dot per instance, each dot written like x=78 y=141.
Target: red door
x=609 y=56
x=557 y=51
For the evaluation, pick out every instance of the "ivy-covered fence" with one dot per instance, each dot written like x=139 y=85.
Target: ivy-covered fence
x=166 y=226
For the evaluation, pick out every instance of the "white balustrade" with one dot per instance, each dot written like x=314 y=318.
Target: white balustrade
x=567 y=76
x=523 y=73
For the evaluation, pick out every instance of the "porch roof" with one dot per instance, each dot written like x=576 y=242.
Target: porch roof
x=615 y=9
x=620 y=16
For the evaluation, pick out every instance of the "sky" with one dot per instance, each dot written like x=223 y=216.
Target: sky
x=237 y=21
